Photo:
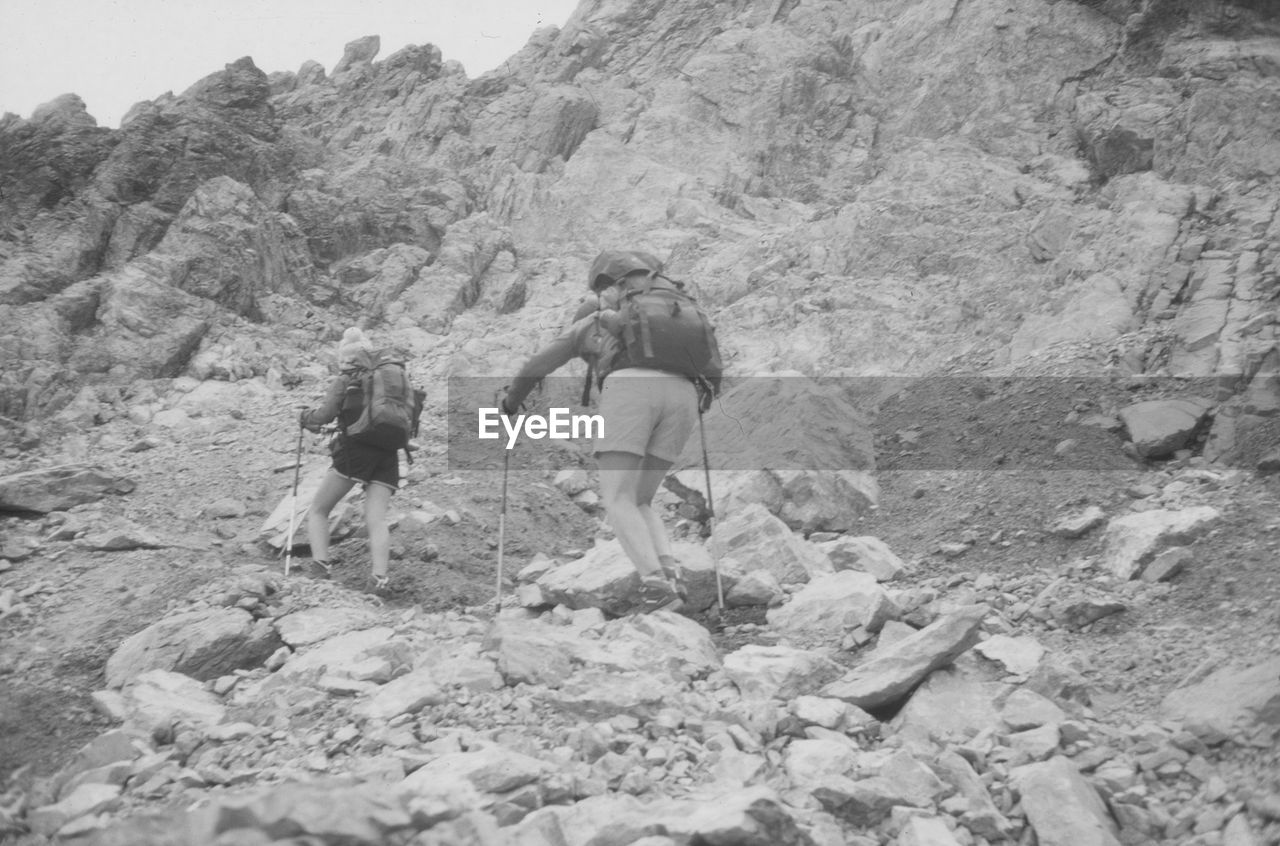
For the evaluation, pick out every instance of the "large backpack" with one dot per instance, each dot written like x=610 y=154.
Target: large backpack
x=662 y=327
x=390 y=407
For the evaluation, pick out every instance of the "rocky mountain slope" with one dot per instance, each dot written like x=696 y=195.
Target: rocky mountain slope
x=1063 y=214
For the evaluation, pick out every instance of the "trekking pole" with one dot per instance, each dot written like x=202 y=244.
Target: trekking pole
x=499 y=399
x=502 y=530
x=711 y=509
x=293 y=505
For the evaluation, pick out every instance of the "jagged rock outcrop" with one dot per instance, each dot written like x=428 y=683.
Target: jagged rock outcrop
x=837 y=183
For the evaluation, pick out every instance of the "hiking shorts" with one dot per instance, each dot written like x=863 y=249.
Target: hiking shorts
x=647 y=412
x=365 y=464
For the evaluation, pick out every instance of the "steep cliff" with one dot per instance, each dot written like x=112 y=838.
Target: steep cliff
x=854 y=188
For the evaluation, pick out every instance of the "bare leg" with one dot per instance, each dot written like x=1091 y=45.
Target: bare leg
x=331 y=492
x=377 y=499
x=620 y=475
x=652 y=471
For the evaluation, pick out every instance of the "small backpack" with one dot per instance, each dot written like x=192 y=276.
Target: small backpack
x=390 y=407
x=663 y=328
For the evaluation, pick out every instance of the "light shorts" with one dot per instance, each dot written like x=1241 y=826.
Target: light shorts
x=365 y=464
x=647 y=412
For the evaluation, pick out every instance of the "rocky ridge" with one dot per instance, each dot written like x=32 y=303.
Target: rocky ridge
x=856 y=189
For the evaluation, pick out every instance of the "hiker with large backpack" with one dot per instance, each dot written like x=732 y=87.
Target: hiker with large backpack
x=376 y=410
x=656 y=363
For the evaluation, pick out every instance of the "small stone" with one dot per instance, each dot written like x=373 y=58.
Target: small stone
x=277 y=659
x=1079 y=524
x=1168 y=564
x=226 y=508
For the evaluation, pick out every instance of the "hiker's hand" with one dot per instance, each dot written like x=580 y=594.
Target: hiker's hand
x=302 y=421
x=503 y=406
x=706 y=393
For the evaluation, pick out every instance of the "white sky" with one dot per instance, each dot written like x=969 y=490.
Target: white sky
x=114 y=53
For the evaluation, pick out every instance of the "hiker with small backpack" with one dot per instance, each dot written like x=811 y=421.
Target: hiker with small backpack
x=376 y=410
x=656 y=364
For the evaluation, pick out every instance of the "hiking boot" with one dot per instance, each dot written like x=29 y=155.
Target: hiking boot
x=380 y=585
x=677 y=581
x=657 y=594
x=318 y=569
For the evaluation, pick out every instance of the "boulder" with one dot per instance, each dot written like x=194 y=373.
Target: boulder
x=202 y=644
x=160 y=700
x=334 y=655
x=866 y=554
x=85 y=799
x=335 y=812
x=824 y=712
x=1132 y=541
x=1229 y=701
x=58 y=488
x=759 y=587
x=1062 y=806
x=604 y=578
x=778 y=672
x=492 y=769
x=406 y=695
x=894 y=671
x=459 y=664
x=756 y=540
x=1159 y=428
x=600 y=694
x=981 y=817
x=313 y=625
x=1026 y=709
x=531 y=652
x=111 y=747
x=754 y=816
x=810 y=762
x=831 y=604
x=953 y=702
x=900 y=780
x=1018 y=655
x=926 y=831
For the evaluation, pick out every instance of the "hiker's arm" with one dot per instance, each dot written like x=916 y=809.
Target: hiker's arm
x=327 y=412
x=550 y=358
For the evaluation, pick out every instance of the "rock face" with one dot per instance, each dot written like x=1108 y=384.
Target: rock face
x=789 y=163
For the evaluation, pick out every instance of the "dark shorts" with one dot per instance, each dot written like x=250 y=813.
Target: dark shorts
x=365 y=464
